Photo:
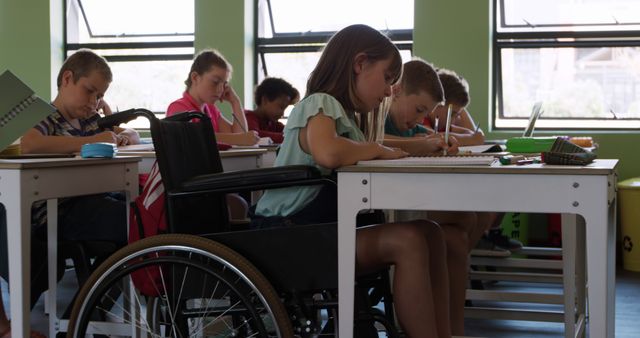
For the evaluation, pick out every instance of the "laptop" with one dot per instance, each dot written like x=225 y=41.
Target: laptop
x=535 y=114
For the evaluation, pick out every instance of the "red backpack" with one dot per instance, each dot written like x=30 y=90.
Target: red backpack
x=146 y=219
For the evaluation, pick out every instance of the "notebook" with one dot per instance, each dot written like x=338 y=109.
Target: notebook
x=431 y=161
x=20 y=108
x=535 y=114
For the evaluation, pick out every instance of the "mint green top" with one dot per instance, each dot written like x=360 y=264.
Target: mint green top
x=391 y=129
x=288 y=201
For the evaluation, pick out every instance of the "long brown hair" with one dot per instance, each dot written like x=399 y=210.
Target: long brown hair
x=334 y=74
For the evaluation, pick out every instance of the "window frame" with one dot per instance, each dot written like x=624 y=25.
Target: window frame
x=551 y=39
x=302 y=42
x=137 y=45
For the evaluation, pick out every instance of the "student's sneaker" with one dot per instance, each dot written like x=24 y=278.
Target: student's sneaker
x=503 y=241
x=487 y=248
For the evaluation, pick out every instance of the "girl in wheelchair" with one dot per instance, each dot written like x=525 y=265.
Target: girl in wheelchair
x=336 y=124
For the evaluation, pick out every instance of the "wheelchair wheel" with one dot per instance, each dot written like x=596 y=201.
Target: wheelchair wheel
x=178 y=286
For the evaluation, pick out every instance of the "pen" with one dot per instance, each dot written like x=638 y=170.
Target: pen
x=435 y=125
x=447 y=128
x=477 y=128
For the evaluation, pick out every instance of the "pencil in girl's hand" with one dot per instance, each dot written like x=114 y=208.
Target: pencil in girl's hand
x=447 y=128
x=435 y=125
x=477 y=128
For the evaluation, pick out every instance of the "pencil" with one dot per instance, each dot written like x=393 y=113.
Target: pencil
x=477 y=128
x=447 y=128
x=435 y=125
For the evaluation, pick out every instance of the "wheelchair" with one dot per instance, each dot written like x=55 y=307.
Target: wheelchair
x=209 y=278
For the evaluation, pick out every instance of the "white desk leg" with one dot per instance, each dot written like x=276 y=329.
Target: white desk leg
x=600 y=233
x=581 y=274
x=18 y=207
x=52 y=257
x=569 y=273
x=353 y=195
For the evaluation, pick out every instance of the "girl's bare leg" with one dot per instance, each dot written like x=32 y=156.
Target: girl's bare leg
x=420 y=285
x=456 y=227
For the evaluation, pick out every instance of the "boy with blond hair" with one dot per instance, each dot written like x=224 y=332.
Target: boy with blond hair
x=82 y=82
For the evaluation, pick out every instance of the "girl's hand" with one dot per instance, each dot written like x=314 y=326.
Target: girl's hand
x=249 y=138
x=389 y=153
x=229 y=95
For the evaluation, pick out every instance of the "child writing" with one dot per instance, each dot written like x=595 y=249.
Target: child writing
x=208 y=83
x=82 y=82
x=353 y=76
x=456 y=90
x=417 y=93
x=273 y=95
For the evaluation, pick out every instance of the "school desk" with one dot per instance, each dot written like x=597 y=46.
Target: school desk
x=23 y=182
x=570 y=190
x=232 y=159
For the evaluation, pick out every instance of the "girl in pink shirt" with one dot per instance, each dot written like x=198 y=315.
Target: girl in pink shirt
x=208 y=83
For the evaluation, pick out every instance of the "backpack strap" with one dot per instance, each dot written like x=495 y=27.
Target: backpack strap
x=136 y=210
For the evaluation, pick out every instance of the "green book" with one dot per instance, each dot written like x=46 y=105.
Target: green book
x=20 y=109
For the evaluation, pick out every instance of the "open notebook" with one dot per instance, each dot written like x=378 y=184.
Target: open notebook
x=431 y=161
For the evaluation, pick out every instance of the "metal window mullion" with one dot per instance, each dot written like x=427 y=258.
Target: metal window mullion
x=156 y=57
x=566 y=34
x=567 y=44
x=131 y=45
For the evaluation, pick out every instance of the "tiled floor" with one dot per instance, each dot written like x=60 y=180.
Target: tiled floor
x=627 y=313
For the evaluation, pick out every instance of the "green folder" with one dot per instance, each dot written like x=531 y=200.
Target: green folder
x=20 y=109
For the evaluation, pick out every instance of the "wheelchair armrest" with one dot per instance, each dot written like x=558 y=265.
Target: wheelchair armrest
x=255 y=179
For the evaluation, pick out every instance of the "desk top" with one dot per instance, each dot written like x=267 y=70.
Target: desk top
x=598 y=167
x=63 y=162
x=223 y=153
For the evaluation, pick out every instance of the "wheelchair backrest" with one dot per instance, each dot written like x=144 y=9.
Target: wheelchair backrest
x=185 y=146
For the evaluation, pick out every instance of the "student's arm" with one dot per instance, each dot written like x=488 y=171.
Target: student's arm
x=422 y=146
x=319 y=138
x=239 y=122
x=464 y=129
x=34 y=142
x=242 y=139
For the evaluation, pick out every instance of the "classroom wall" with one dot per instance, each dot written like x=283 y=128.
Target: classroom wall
x=222 y=25
x=30 y=45
x=28 y=42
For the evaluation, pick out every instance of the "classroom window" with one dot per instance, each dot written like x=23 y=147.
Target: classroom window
x=579 y=57
x=291 y=33
x=148 y=43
